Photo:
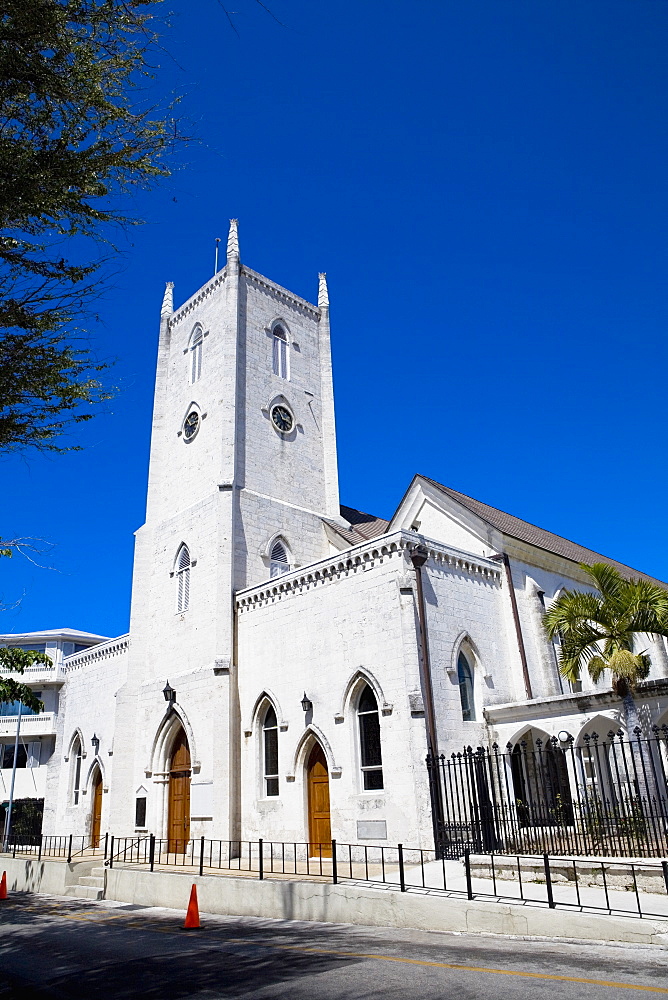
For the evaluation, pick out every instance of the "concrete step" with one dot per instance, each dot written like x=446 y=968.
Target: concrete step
x=86 y=892
x=92 y=880
x=98 y=872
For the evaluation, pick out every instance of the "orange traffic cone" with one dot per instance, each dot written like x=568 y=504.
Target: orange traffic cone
x=192 y=916
x=3 y=886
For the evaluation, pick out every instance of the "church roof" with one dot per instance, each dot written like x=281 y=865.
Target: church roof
x=363 y=527
x=524 y=531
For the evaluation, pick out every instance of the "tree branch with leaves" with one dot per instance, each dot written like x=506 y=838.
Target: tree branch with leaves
x=77 y=133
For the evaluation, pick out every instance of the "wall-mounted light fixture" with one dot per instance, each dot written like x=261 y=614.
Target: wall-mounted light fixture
x=564 y=737
x=169 y=693
x=95 y=743
x=307 y=704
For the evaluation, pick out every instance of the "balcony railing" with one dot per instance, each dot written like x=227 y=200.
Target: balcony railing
x=43 y=724
x=40 y=673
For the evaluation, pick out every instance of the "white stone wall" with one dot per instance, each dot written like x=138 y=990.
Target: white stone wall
x=313 y=633
x=87 y=708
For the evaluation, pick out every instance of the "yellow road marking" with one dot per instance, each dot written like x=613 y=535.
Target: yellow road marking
x=467 y=968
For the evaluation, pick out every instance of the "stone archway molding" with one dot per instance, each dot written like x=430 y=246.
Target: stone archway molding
x=173 y=719
x=362 y=674
x=310 y=735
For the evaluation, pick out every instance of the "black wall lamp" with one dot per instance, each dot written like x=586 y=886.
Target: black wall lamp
x=169 y=693
x=95 y=743
x=307 y=704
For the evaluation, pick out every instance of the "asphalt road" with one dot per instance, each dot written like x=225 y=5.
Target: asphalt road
x=53 y=947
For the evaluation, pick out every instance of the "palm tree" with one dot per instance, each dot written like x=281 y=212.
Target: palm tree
x=597 y=632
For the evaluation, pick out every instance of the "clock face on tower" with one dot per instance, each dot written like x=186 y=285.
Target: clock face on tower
x=282 y=419
x=191 y=425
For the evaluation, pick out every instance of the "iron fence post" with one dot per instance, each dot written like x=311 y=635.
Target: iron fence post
x=548 y=881
x=664 y=866
x=106 y=844
x=260 y=844
x=402 y=880
x=335 y=874
x=201 y=855
x=111 y=852
x=69 y=850
x=467 y=869
x=39 y=852
x=151 y=851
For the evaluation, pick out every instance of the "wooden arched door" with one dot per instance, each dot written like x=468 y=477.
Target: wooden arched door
x=319 y=826
x=96 y=817
x=178 y=820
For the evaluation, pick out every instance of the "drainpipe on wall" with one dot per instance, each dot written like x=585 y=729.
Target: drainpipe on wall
x=418 y=557
x=518 y=626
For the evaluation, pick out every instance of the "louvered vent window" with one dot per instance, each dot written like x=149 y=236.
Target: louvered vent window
x=270 y=733
x=183 y=578
x=370 y=752
x=196 y=356
x=279 y=559
x=280 y=363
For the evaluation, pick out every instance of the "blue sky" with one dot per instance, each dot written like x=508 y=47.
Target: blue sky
x=484 y=182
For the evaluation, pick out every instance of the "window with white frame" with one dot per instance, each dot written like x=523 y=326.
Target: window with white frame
x=195 y=352
x=279 y=559
x=183 y=579
x=270 y=752
x=280 y=357
x=371 y=760
x=76 y=770
x=465 y=678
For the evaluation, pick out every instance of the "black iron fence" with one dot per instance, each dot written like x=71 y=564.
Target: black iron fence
x=600 y=797
x=632 y=888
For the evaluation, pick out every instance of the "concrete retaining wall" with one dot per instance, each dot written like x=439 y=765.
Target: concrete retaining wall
x=350 y=904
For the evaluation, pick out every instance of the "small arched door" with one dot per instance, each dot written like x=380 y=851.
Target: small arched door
x=178 y=820
x=319 y=826
x=96 y=817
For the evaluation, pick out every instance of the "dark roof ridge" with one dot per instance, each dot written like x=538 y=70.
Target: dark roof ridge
x=507 y=530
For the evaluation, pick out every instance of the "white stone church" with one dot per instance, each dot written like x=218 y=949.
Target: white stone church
x=290 y=660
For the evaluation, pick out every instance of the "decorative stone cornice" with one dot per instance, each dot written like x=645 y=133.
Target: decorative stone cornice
x=361 y=558
x=279 y=292
x=113 y=647
x=192 y=303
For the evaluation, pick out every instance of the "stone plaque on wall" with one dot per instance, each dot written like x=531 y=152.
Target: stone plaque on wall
x=371 y=829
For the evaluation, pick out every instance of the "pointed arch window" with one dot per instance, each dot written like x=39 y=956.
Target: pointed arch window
x=270 y=752
x=280 y=355
x=465 y=677
x=183 y=579
x=196 y=342
x=279 y=559
x=76 y=771
x=371 y=759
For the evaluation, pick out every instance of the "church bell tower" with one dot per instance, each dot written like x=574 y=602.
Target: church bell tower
x=243 y=471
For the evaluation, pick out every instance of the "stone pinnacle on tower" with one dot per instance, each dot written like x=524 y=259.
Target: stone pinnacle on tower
x=323 y=294
x=233 y=241
x=167 y=307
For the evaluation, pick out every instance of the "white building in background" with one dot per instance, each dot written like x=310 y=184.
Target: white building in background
x=37 y=731
x=289 y=659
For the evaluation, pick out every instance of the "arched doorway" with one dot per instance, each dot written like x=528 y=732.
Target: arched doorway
x=96 y=810
x=317 y=780
x=178 y=816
